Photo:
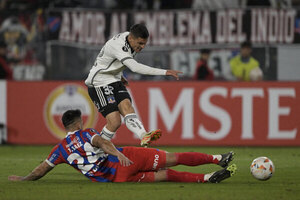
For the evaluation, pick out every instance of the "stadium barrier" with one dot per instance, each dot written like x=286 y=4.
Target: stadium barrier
x=3 y=135
x=189 y=113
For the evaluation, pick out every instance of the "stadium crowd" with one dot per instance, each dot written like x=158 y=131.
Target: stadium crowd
x=144 y=4
x=22 y=38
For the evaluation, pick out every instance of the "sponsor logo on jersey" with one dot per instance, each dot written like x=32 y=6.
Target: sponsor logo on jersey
x=155 y=163
x=125 y=49
x=63 y=98
x=53 y=157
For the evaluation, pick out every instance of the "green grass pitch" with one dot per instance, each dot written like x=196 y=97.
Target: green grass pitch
x=66 y=183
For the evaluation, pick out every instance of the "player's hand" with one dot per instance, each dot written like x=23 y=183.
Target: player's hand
x=124 y=81
x=15 y=178
x=174 y=73
x=124 y=161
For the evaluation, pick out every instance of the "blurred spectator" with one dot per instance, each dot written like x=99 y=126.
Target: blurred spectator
x=5 y=71
x=295 y=3
x=3 y=4
x=21 y=5
x=281 y=3
x=14 y=34
x=203 y=72
x=244 y=67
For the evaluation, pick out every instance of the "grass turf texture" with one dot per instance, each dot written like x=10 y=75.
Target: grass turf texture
x=64 y=182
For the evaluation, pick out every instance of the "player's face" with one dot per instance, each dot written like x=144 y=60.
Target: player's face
x=205 y=56
x=246 y=52
x=138 y=44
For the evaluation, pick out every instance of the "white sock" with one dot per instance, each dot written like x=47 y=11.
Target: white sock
x=107 y=134
x=135 y=125
x=218 y=157
x=207 y=176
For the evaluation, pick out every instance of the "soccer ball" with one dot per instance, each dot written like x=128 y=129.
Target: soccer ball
x=262 y=168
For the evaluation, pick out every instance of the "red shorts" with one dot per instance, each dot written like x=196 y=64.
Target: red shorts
x=145 y=162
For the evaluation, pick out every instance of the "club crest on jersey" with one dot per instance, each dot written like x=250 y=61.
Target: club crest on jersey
x=125 y=49
x=111 y=99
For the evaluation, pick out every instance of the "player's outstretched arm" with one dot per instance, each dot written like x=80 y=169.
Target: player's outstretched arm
x=109 y=147
x=173 y=73
x=36 y=174
x=144 y=69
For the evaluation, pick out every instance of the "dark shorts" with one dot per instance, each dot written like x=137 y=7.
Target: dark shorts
x=107 y=98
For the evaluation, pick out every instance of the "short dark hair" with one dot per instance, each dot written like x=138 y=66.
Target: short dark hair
x=205 y=51
x=70 y=116
x=246 y=44
x=139 y=30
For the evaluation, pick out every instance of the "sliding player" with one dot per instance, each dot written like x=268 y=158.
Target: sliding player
x=100 y=161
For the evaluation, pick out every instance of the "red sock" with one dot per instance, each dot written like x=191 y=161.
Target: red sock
x=175 y=176
x=194 y=158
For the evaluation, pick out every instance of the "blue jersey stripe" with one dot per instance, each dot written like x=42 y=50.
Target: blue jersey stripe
x=107 y=170
x=80 y=137
x=54 y=156
x=113 y=159
x=82 y=142
x=63 y=152
x=120 y=149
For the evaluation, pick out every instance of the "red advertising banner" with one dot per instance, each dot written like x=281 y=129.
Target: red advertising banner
x=189 y=113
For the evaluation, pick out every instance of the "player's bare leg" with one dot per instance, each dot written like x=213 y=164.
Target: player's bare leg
x=135 y=125
x=195 y=159
x=176 y=176
x=113 y=123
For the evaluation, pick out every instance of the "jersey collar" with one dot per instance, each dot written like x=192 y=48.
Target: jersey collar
x=69 y=133
x=127 y=43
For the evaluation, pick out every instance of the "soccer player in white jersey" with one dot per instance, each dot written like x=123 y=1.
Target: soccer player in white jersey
x=106 y=83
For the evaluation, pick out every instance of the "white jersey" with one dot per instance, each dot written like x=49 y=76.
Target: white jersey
x=113 y=58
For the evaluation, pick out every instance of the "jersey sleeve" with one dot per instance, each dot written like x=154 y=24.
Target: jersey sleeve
x=55 y=157
x=119 y=51
x=143 y=69
x=89 y=134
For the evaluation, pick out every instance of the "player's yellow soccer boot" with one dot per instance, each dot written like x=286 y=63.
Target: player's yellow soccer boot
x=223 y=174
x=149 y=137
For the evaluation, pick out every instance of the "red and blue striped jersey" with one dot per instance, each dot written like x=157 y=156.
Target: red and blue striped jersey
x=76 y=150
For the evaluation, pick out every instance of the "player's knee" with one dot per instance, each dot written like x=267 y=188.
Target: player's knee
x=171 y=159
x=160 y=176
x=113 y=125
x=126 y=107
